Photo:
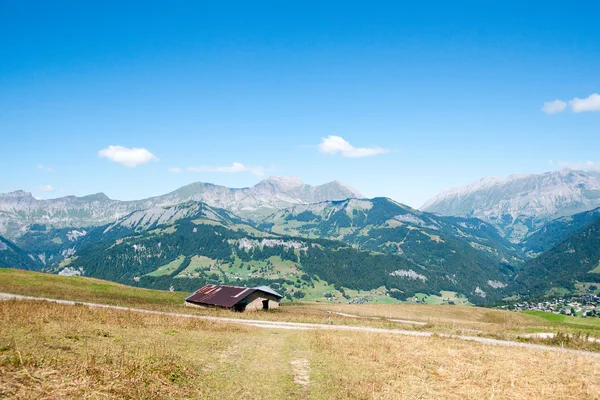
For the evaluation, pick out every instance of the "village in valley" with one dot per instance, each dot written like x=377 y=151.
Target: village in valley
x=580 y=306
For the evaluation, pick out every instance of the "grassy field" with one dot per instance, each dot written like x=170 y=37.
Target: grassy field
x=196 y=264
x=49 y=350
x=167 y=269
x=442 y=318
x=55 y=351
x=444 y=298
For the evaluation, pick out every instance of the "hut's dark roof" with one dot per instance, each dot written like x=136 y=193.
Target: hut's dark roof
x=224 y=296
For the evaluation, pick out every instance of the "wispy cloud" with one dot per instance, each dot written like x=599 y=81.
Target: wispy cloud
x=44 y=168
x=45 y=188
x=338 y=145
x=174 y=170
x=554 y=107
x=590 y=103
x=127 y=157
x=585 y=165
x=235 y=167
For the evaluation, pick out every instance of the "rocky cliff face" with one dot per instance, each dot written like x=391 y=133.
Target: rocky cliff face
x=520 y=204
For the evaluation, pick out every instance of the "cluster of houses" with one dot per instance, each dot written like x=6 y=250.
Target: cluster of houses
x=583 y=306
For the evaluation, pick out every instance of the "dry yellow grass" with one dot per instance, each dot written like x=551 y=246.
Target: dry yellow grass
x=57 y=351
x=383 y=367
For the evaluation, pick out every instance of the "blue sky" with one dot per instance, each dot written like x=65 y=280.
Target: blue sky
x=436 y=94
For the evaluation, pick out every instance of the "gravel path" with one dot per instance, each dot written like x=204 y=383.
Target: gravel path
x=307 y=326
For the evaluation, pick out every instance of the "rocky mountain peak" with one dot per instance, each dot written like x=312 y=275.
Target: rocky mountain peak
x=17 y=194
x=342 y=185
x=96 y=197
x=282 y=182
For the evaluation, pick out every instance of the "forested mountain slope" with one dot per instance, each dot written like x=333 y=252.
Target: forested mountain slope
x=12 y=256
x=386 y=226
x=576 y=259
x=556 y=231
x=187 y=245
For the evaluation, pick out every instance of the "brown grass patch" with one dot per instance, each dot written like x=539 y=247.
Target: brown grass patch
x=387 y=367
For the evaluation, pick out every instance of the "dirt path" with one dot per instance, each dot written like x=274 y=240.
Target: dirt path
x=307 y=326
x=400 y=321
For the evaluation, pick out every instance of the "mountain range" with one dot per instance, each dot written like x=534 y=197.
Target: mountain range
x=190 y=243
x=521 y=204
x=19 y=210
x=486 y=242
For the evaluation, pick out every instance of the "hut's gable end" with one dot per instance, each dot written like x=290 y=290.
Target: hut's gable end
x=259 y=300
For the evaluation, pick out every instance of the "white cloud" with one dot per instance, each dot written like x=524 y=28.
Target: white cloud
x=44 y=168
x=174 y=170
x=591 y=103
x=127 y=157
x=46 y=188
x=338 y=145
x=235 y=167
x=554 y=107
x=583 y=165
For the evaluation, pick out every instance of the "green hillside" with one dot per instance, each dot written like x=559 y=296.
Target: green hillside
x=576 y=259
x=459 y=249
x=381 y=224
x=78 y=288
x=556 y=231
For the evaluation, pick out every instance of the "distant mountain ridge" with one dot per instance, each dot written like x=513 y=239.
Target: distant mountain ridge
x=20 y=209
x=521 y=204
